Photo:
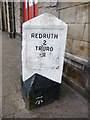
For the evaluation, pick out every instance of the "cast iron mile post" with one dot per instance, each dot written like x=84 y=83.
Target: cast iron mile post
x=43 y=47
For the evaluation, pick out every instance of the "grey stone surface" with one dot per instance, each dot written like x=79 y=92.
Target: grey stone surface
x=46 y=4
x=9 y=116
x=8 y=109
x=11 y=74
x=69 y=45
x=64 y=5
x=86 y=31
x=50 y=3
x=51 y=10
x=80 y=49
x=75 y=31
x=68 y=15
x=82 y=14
x=70 y=104
x=11 y=65
x=43 y=4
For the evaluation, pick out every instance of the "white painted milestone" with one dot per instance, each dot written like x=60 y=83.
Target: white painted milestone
x=43 y=47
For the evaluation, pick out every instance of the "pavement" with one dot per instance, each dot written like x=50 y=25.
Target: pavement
x=69 y=105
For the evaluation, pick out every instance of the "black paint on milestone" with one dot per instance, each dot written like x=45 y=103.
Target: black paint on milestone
x=44 y=35
x=39 y=90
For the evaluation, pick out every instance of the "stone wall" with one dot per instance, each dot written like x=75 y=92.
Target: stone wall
x=75 y=14
x=17 y=17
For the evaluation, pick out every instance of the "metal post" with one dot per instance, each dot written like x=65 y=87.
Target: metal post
x=35 y=8
x=8 y=16
x=13 y=20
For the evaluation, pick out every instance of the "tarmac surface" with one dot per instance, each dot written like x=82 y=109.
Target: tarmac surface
x=70 y=104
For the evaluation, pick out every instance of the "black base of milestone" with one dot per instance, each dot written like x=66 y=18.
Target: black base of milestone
x=39 y=90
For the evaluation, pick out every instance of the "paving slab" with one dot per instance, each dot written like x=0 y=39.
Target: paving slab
x=69 y=105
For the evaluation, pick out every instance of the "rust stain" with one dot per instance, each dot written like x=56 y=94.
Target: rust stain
x=82 y=47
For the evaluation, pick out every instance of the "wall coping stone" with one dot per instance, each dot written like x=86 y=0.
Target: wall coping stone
x=75 y=61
